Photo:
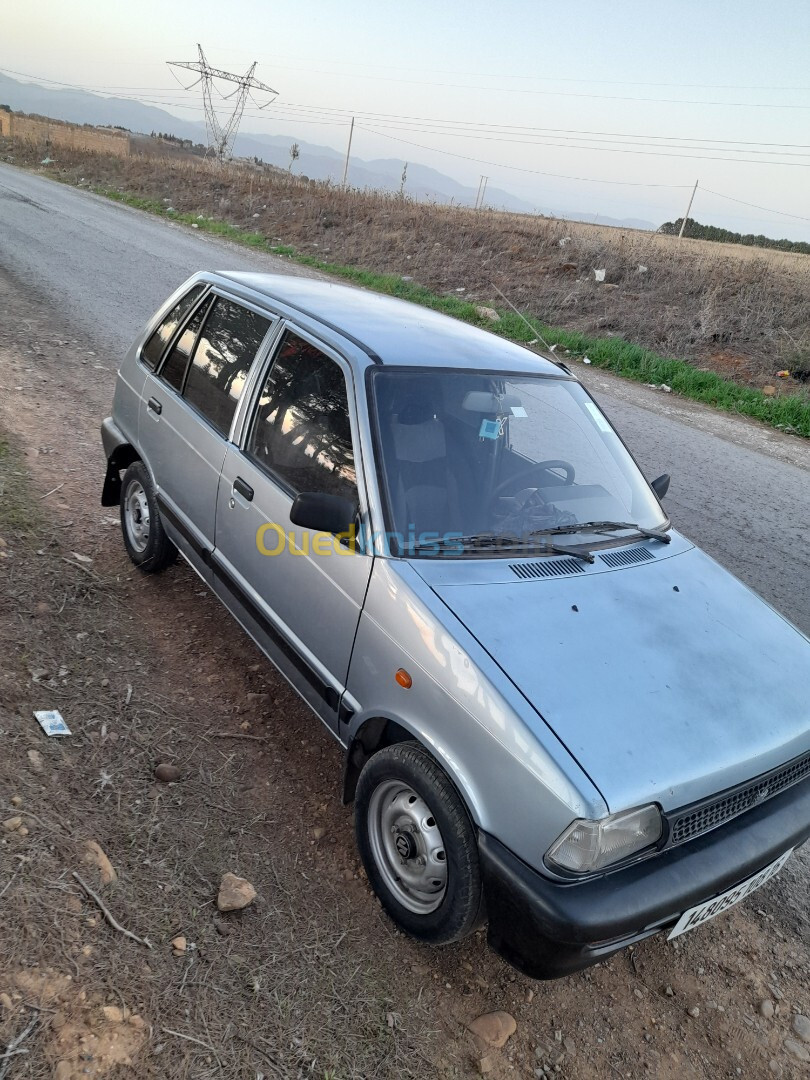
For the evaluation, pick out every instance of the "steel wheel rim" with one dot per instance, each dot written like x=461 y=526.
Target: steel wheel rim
x=407 y=846
x=136 y=515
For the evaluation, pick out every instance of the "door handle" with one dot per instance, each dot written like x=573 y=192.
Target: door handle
x=243 y=488
x=154 y=405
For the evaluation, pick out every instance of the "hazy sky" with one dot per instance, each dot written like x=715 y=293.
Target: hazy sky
x=648 y=93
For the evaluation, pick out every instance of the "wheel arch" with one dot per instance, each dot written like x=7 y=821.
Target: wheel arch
x=376 y=732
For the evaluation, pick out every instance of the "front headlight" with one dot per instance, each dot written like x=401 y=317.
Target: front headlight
x=586 y=846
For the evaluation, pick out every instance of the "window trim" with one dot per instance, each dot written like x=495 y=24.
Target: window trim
x=285 y=324
x=162 y=315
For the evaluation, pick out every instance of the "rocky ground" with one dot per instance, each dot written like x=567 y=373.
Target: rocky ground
x=189 y=760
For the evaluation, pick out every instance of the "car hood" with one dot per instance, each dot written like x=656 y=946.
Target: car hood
x=667 y=681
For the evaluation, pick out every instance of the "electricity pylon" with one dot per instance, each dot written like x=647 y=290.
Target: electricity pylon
x=221 y=136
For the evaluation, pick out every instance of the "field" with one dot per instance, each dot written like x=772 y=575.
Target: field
x=697 y=249
x=740 y=312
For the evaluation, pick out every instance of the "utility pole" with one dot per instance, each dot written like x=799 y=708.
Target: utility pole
x=483 y=193
x=479 y=196
x=688 y=208
x=221 y=136
x=348 y=152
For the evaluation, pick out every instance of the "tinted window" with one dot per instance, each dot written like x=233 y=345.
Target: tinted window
x=153 y=349
x=175 y=364
x=301 y=429
x=222 y=359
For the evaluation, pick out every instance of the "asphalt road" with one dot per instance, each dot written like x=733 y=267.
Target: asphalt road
x=740 y=491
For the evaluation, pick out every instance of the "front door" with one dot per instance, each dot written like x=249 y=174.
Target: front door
x=298 y=592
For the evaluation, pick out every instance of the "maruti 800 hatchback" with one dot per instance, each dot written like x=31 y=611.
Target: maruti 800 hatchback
x=558 y=714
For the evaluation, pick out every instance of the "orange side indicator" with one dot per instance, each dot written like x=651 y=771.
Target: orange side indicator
x=403 y=678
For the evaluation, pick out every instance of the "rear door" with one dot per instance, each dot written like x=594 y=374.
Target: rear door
x=299 y=593
x=187 y=411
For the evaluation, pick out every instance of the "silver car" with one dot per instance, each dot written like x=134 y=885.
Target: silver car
x=559 y=715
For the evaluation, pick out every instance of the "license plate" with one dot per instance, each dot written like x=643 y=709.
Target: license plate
x=703 y=912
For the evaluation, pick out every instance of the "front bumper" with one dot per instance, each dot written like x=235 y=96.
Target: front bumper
x=546 y=929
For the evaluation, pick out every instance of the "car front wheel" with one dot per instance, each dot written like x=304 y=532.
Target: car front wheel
x=144 y=536
x=418 y=844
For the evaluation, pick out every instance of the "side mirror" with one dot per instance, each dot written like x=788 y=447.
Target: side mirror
x=323 y=513
x=661 y=485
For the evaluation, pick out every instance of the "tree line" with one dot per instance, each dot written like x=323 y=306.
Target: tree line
x=697 y=231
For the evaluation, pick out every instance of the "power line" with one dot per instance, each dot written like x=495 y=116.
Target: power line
x=442 y=125
x=519 y=168
x=569 y=94
x=562 y=93
x=596 y=149
x=72 y=86
x=620 y=148
x=477 y=126
x=592 y=180
x=754 y=206
x=470 y=74
x=541 y=78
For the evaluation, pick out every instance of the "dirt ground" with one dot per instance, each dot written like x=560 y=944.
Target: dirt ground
x=311 y=980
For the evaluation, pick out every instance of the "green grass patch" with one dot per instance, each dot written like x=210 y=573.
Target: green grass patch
x=790 y=413
x=19 y=512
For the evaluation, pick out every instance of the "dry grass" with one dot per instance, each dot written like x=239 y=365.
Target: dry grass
x=742 y=313
x=694 y=247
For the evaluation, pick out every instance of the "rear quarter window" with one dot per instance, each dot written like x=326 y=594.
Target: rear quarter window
x=153 y=349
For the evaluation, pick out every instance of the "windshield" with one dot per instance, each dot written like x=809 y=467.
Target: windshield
x=466 y=454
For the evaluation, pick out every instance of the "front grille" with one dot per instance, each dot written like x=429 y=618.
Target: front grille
x=550 y=568
x=626 y=556
x=702 y=817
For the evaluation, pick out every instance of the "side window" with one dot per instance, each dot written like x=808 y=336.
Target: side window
x=153 y=349
x=301 y=428
x=175 y=364
x=225 y=350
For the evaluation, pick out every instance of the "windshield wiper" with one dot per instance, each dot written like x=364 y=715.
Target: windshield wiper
x=604 y=526
x=496 y=542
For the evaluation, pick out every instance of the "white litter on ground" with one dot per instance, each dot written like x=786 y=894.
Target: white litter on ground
x=51 y=722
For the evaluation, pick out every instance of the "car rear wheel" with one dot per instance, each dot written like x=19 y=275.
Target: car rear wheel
x=418 y=845
x=144 y=536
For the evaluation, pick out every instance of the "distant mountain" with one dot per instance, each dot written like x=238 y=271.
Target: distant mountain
x=600 y=219
x=317 y=162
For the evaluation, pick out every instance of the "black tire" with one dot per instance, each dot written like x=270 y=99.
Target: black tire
x=145 y=539
x=384 y=783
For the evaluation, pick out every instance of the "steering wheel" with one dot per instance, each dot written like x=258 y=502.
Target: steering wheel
x=552 y=463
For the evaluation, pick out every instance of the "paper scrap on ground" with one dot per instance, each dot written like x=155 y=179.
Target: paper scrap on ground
x=51 y=722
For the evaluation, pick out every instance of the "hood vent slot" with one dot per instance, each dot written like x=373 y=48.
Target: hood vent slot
x=547 y=568
x=626 y=556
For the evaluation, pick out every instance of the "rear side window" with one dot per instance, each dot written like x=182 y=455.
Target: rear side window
x=153 y=349
x=225 y=350
x=301 y=429
x=175 y=364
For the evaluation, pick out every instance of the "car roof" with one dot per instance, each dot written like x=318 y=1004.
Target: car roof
x=395 y=331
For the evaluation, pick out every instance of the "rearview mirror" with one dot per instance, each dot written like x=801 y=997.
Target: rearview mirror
x=661 y=485
x=481 y=401
x=321 y=512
